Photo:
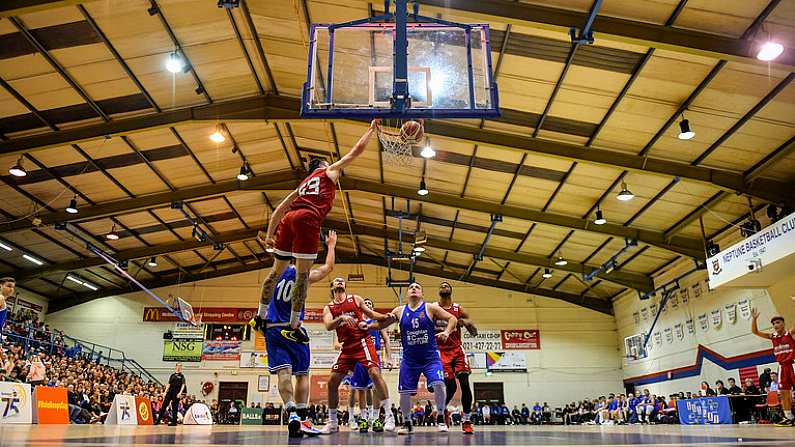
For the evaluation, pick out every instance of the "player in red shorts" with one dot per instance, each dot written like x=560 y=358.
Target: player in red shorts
x=454 y=359
x=298 y=218
x=784 y=350
x=346 y=313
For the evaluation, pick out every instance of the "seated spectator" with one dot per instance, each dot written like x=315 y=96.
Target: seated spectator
x=705 y=390
x=516 y=415
x=733 y=388
x=536 y=415
x=525 y=414
x=720 y=389
x=546 y=413
x=505 y=418
x=646 y=407
x=750 y=388
x=485 y=412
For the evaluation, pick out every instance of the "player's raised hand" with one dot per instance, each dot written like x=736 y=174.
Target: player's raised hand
x=363 y=325
x=331 y=239
x=347 y=320
x=375 y=123
x=443 y=336
x=754 y=313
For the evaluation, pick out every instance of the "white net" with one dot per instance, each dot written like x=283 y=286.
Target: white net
x=397 y=151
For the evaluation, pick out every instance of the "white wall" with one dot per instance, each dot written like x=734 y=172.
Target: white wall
x=579 y=356
x=730 y=339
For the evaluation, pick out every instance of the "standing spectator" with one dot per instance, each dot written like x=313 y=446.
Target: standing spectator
x=175 y=388
x=36 y=372
x=733 y=388
x=764 y=379
x=773 y=386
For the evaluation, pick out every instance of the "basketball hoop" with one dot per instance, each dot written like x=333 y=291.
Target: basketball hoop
x=398 y=139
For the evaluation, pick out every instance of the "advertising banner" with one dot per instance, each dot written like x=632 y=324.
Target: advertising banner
x=323 y=360
x=705 y=410
x=183 y=350
x=198 y=414
x=259 y=342
x=16 y=403
x=221 y=350
x=253 y=360
x=251 y=416
x=143 y=408
x=122 y=411
x=485 y=341
x=318 y=389
x=237 y=315
x=508 y=361
x=52 y=405
x=521 y=339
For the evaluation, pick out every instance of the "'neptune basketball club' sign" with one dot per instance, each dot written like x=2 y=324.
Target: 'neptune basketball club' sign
x=705 y=410
x=774 y=242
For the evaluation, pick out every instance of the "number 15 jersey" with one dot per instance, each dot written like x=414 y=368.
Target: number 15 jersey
x=280 y=306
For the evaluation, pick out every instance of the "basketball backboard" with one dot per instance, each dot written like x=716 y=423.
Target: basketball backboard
x=352 y=66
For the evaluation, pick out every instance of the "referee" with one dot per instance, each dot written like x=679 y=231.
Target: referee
x=175 y=388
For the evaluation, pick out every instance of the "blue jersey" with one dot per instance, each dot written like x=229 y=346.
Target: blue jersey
x=280 y=307
x=376 y=334
x=418 y=335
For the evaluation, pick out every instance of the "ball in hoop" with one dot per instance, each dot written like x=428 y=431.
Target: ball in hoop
x=412 y=132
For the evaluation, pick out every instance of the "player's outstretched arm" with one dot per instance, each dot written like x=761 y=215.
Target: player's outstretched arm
x=321 y=272
x=332 y=323
x=754 y=327
x=267 y=237
x=466 y=322
x=333 y=171
x=387 y=320
x=437 y=313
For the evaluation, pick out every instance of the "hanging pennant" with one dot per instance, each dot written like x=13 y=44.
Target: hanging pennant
x=669 y=335
x=653 y=310
x=745 y=308
x=703 y=322
x=658 y=338
x=636 y=317
x=644 y=313
x=680 y=332
x=731 y=312
x=697 y=290
x=674 y=300
x=691 y=326
x=716 y=317
x=706 y=286
x=684 y=295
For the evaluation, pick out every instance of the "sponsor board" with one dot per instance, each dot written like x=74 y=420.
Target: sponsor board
x=507 y=361
x=253 y=360
x=143 y=408
x=221 y=350
x=16 y=403
x=521 y=339
x=122 y=411
x=251 y=416
x=183 y=350
x=52 y=405
x=198 y=414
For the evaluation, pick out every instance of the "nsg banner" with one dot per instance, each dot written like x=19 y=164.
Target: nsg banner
x=182 y=350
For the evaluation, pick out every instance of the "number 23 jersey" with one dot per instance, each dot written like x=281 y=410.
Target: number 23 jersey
x=316 y=193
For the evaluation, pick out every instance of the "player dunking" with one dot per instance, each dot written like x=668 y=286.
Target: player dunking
x=418 y=336
x=454 y=359
x=298 y=218
x=784 y=350
x=346 y=313
x=288 y=354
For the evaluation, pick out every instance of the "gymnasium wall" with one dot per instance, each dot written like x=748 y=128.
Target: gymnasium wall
x=721 y=348
x=579 y=355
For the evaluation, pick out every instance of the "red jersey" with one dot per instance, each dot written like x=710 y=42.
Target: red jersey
x=454 y=340
x=317 y=193
x=347 y=334
x=784 y=348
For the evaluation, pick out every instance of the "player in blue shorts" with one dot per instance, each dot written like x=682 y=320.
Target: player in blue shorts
x=417 y=320
x=361 y=382
x=288 y=349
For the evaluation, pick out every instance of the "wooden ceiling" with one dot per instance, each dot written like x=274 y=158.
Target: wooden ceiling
x=577 y=122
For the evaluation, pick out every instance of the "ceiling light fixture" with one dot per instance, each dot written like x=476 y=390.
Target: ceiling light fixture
x=217 y=136
x=547 y=273
x=72 y=208
x=175 y=63
x=428 y=152
x=5 y=247
x=625 y=194
x=152 y=262
x=32 y=259
x=419 y=249
x=74 y=280
x=18 y=170
x=90 y=286
x=423 y=191
x=600 y=218
x=685 y=132
x=113 y=235
x=769 y=51
x=561 y=261
x=243 y=174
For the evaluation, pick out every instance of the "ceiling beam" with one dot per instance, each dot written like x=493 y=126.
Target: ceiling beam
x=632 y=280
x=280 y=108
x=612 y=28
x=282 y=180
x=596 y=304
x=10 y=8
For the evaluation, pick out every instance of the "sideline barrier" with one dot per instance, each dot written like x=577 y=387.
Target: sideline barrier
x=251 y=416
x=143 y=408
x=16 y=403
x=198 y=414
x=52 y=405
x=123 y=411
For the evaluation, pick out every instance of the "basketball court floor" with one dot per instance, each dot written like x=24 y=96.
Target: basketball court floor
x=670 y=436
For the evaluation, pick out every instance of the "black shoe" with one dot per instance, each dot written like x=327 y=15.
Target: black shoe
x=157 y=423
x=786 y=422
x=172 y=425
x=294 y=428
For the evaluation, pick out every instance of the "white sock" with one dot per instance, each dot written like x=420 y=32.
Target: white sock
x=466 y=416
x=332 y=416
x=788 y=414
x=262 y=310
x=363 y=413
x=386 y=404
x=290 y=407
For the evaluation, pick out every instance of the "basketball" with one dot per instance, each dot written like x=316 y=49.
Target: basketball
x=412 y=132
